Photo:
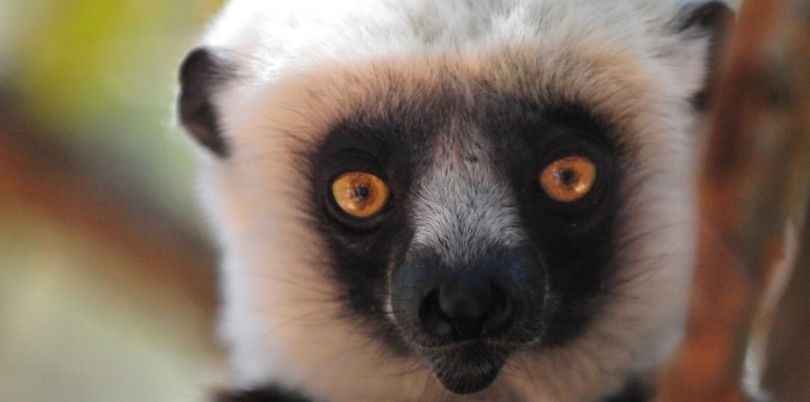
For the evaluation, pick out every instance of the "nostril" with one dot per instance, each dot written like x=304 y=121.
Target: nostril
x=500 y=312
x=434 y=321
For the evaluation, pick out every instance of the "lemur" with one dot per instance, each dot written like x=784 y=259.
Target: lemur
x=451 y=200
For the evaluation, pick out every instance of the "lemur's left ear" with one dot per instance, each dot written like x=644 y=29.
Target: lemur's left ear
x=201 y=75
x=702 y=27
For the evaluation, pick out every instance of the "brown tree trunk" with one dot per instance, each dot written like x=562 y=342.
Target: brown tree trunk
x=754 y=177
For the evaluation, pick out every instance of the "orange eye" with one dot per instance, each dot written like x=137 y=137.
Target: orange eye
x=360 y=194
x=568 y=179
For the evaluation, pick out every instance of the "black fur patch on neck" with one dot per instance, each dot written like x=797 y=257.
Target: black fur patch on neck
x=266 y=394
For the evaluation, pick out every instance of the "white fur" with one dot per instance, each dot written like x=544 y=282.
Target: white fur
x=304 y=63
x=461 y=209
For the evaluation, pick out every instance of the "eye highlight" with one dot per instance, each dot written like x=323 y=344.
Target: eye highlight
x=360 y=194
x=568 y=179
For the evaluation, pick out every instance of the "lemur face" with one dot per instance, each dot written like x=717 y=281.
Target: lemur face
x=466 y=224
x=512 y=219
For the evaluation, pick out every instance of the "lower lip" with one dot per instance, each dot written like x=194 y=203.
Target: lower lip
x=469 y=383
x=469 y=367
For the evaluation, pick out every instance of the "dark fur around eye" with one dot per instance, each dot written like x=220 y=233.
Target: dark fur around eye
x=539 y=136
x=339 y=156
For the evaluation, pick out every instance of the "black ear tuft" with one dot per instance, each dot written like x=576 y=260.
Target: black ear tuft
x=712 y=20
x=200 y=75
x=711 y=16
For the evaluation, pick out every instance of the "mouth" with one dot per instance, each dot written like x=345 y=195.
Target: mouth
x=468 y=367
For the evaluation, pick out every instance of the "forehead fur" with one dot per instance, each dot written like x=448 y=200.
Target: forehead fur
x=642 y=98
x=599 y=54
x=271 y=37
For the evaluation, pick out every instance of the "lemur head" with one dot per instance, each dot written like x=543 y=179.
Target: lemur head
x=495 y=195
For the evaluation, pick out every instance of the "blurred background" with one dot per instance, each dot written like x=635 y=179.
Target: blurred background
x=106 y=274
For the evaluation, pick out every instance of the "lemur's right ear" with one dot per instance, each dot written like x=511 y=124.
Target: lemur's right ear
x=706 y=22
x=201 y=74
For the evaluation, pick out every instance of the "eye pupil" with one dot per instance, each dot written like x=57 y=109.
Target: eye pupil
x=568 y=177
x=361 y=192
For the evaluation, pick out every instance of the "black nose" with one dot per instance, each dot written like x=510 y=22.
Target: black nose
x=466 y=305
x=496 y=296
